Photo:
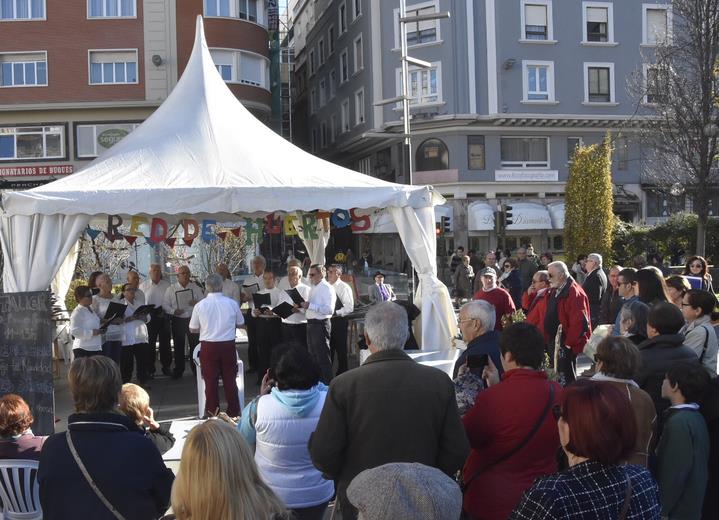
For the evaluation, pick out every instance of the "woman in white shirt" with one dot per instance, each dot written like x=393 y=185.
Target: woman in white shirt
x=112 y=336
x=135 y=348
x=85 y=325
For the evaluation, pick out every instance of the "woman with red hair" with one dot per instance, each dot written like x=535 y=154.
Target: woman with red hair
x=16 y=438
x=599 y=484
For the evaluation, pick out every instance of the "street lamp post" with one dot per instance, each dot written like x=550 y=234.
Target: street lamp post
x=404 y=97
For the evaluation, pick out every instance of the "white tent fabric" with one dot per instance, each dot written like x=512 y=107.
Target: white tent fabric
x=202 y=152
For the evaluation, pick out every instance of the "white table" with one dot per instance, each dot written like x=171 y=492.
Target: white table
x=179 y=429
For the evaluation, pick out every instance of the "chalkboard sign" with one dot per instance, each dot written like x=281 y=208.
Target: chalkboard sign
x=26 y=354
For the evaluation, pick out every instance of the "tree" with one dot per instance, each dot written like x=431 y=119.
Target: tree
x=682 y=135
x=589 y=217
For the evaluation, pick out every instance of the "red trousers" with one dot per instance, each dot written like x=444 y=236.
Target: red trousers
x=219 y=358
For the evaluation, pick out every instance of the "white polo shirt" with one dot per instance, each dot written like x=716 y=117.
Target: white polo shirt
x=217 y=317
x=322 y=301
x=344 y=293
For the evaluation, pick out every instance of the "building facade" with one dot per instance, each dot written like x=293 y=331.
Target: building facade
x=514 y=86
x=77 y=76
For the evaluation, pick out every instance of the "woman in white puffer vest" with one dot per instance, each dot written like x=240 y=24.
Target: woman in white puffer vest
x=278 y=424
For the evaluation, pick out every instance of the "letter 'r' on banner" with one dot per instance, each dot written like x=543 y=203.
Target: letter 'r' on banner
x=309 y=226
x=290 y=230
x=113 y=223
x=186 y=225
x=158 y=230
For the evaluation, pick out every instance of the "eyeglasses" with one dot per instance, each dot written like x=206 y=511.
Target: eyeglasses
x=557 y=411
x=506 y=266
x=131 y=289
x=686 y=304
x=696 y=265
x=311 y=274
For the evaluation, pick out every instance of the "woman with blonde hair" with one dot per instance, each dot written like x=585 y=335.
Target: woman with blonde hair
x=218 y=478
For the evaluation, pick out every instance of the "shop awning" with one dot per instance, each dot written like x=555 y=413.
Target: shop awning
x=529 y=215
x=481 y=216
x=556 y=212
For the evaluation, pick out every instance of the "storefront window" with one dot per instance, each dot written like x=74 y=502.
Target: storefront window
x=432 y=155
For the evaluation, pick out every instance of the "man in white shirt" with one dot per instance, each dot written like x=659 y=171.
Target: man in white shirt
x=294 y=328
x=319 y=309
x=229 y=288
x=258 y=270
x=178 y=304
x=215 y=319
x=338 y=335
x=284 y=282
x=269 y=332
x=159 y=327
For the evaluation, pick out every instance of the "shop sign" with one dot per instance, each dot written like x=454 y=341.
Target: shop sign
x=526 y=175
x=20 y=185
x=33 y=171
x=110 y=137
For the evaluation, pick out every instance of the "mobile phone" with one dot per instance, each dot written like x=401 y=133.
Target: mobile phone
x=477 y=362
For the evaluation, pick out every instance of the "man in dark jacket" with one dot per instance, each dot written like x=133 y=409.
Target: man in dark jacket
x=662 y=350
x=476 y=322
x=121 y=461
x=595 y=285
x=568 y=306
x=390 y=409
x=527 y=267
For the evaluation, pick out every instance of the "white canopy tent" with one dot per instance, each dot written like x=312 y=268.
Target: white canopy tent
x=200 y=153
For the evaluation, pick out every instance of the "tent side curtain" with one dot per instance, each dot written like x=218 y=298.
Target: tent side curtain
x=416 y=229
x=35 y=247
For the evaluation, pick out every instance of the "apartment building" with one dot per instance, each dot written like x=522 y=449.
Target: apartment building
x=514 y=87
x=76 y=76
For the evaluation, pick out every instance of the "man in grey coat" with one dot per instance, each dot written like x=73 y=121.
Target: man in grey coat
x=390 y=409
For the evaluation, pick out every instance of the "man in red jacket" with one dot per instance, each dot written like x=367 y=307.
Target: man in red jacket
x=510 y=428
x=568 y=306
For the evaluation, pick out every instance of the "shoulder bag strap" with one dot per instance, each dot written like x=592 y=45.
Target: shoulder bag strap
x=87 y=476
x=627 y=501
x=519 y=446
x=706 y=344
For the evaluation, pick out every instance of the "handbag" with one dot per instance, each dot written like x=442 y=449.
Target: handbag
x=87 y=476
x=464 y=485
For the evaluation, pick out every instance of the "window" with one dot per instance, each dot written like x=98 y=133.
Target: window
x=241 y=67
x=344 y=67
x=333 y=127
x=432 y=155
x=651 y=84
x=92 y=140
x=113 y=67
x=664 y=205
x=426 y=31
x=536 y=19
x=475 y=152
x=323 y=134
x=23 y=69
x=622 y=147
x=342 y=14
x=313 y=103
x=111 y=8
x=312 y=61
x=424 y=85
x=333 y=83
x=572 y=144
x=32 y=142
x=598 y=82
x=331 y=39
x=323 y=92
x=243 y=9
x=321 y=47
x=359 y=107
x=538 y=80
x=315 y=140
x=345 y=115
x=22 y=9
x=356 y=9
x=524 y=152
x=248 y=10
x=657 y=23
x=598 y=22
x=358 y=54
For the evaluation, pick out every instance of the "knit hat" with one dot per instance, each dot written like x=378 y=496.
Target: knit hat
x=404 y=490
